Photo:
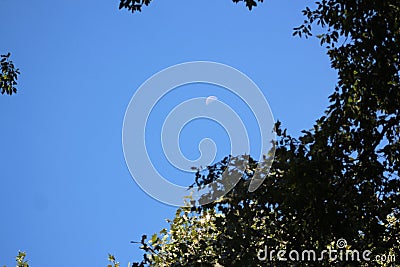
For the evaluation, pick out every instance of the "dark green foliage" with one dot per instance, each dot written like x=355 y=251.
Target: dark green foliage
x=249 y=3
x=133 y=5
x=8 y=75
x=337 y=180
x=136 y=5
x=20 y=260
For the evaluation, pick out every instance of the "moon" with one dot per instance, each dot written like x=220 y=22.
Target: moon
x=210 y=99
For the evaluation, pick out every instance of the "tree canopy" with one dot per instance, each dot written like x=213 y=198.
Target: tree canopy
x=8 y=76
x=136 y=5
x=338 y=180
x=20 y=260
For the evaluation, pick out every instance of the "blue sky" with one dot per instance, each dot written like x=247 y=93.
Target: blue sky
x=66 y=195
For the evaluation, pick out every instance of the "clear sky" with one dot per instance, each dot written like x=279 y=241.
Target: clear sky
x=66 y=195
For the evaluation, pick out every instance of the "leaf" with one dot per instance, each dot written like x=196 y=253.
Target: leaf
x=154 y=238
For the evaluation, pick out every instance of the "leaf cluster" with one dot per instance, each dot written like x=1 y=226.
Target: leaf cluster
x=136 y=5
x=8 y=76
x=20 y=260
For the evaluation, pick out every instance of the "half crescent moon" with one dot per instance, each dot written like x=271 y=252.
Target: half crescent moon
x=211 y=99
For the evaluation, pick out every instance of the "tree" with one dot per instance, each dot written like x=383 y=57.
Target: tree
x=20 y=259
x=136 y=5
x=8 y=76
x=338 y=180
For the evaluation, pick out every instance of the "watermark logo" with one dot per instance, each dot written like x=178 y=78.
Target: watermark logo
x=341 y=253
x=341 y=243
x=154 y=89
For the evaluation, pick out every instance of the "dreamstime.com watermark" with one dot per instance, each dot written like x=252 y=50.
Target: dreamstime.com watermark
x=152 y=91
x=342 y=253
